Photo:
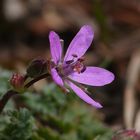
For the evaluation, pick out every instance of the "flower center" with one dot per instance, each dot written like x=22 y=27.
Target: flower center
x=71 y=66
x=79 y=66
x=74 y=65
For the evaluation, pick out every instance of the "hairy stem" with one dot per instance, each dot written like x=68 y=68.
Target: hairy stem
x=11 y=93
x=36 y=79
x=6 y=97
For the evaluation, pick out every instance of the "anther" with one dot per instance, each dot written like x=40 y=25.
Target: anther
x=74 y=55
x=69 y=61
x=83 y=69
x=81 y=59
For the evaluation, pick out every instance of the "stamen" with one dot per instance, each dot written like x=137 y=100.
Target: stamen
x=69 y=61
x=81 y=59
x=74 y=55
x=79 y=67
x=84 y=68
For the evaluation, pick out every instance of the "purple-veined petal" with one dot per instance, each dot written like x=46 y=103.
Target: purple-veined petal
x=79 y=92
x=55 y=47
x=57 y=79
x=93 y=76
x=80 y=43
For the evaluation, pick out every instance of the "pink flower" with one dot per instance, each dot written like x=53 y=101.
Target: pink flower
x=71 y=72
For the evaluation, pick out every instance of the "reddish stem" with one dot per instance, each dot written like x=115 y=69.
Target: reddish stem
x=11 y=93
x=5 y=98
x=36 y=79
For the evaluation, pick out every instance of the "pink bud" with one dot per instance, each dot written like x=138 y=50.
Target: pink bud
x=17 y=81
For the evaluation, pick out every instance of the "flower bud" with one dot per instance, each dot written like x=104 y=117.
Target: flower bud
x=17 y=81
x=36 y=68
x=126 y=134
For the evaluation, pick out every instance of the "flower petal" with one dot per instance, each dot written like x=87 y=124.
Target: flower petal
x=93 y=76
x=80 y=43
x=79 y=92
x=57 y=79
x=55 y=47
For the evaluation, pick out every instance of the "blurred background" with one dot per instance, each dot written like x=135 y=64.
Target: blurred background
x=24 y=29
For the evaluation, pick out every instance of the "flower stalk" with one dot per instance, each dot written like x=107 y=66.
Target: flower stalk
x=6 y=98
x=43 y=76
x=14 y=92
